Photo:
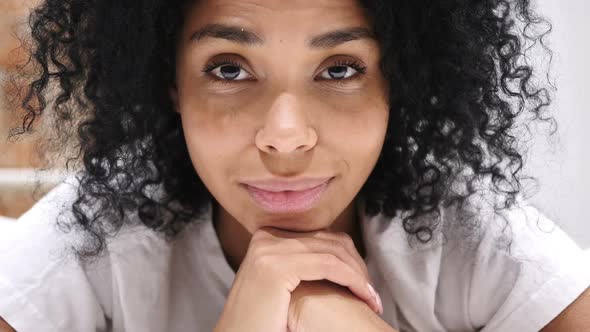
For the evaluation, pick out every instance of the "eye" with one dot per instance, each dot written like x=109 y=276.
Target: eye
x=340 y=69
x=225 y=71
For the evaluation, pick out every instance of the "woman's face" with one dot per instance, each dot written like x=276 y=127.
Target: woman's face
x=300 y=106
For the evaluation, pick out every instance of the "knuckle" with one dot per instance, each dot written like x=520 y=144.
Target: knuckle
x=255 y=250
x=262 y=239
x=291 y=242
x=263 y=263
x=259 y=247
x=344 y=253
x=330 y=261
x=256 y=245
x=260 y=233
x=341 y=250
x=345 y=239
x=335 y=243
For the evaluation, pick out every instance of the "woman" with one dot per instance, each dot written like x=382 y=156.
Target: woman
x=273 y=165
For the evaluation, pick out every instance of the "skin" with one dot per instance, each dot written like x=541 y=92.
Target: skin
x=291 y=119
x=4 y=327
x=320 y=305
x=286 y=124
x=574 y=318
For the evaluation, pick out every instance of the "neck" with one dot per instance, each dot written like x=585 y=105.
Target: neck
x=235 y=239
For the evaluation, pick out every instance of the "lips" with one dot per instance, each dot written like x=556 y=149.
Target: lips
x=277 y=185
x=287 y=197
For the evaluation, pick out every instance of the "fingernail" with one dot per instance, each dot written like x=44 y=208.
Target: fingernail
x=380 y=304
x=377 y=298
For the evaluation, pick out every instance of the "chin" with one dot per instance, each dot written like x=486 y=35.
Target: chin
x=301 y=223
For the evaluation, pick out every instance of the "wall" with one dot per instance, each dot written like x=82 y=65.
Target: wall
x=14 y=199
x=561 y=162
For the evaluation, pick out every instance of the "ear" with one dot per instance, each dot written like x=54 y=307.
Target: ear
x=173 y=92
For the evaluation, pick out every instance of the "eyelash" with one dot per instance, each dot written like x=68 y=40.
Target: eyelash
x=360 y=69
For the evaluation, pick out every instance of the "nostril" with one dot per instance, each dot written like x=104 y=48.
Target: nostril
x=271 y=149
x=287 y=141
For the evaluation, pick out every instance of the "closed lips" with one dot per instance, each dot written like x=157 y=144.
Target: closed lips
x=274 y=185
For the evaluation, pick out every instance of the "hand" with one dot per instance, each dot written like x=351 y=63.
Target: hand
x=325 y=306
x=275 y=264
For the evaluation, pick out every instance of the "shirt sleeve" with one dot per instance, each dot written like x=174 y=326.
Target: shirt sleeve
x=42 y=287
x=527 y=271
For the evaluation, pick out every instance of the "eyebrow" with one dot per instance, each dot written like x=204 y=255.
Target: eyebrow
x=245 y=37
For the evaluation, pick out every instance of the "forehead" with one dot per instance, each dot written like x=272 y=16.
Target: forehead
x=343 y=10
x=315 y=23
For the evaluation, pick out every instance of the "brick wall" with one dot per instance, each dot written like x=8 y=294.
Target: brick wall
x=13 y=199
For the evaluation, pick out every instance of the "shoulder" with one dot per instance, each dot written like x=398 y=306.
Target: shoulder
x=35 y=232
x=35 y=269
x=521 y=262
x=42 y=283
x=485 y=267
x=50 y=225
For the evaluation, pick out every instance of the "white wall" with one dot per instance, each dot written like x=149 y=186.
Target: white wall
x=563 y=167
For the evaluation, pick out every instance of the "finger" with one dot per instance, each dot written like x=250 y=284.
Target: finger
x=348 y=243
x=314 y=245
x=319 y=241
x=312 y=266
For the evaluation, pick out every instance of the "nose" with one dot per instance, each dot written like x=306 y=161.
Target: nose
x=286 y=128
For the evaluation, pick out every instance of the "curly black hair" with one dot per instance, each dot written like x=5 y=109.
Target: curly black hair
x=458 y=79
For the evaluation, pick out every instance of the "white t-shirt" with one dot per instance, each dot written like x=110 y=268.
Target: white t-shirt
x=144 y=284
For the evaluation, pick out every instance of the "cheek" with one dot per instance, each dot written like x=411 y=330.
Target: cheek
x=364 y=143
x=214 y=144
x=369 y=130
x=358 y=132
